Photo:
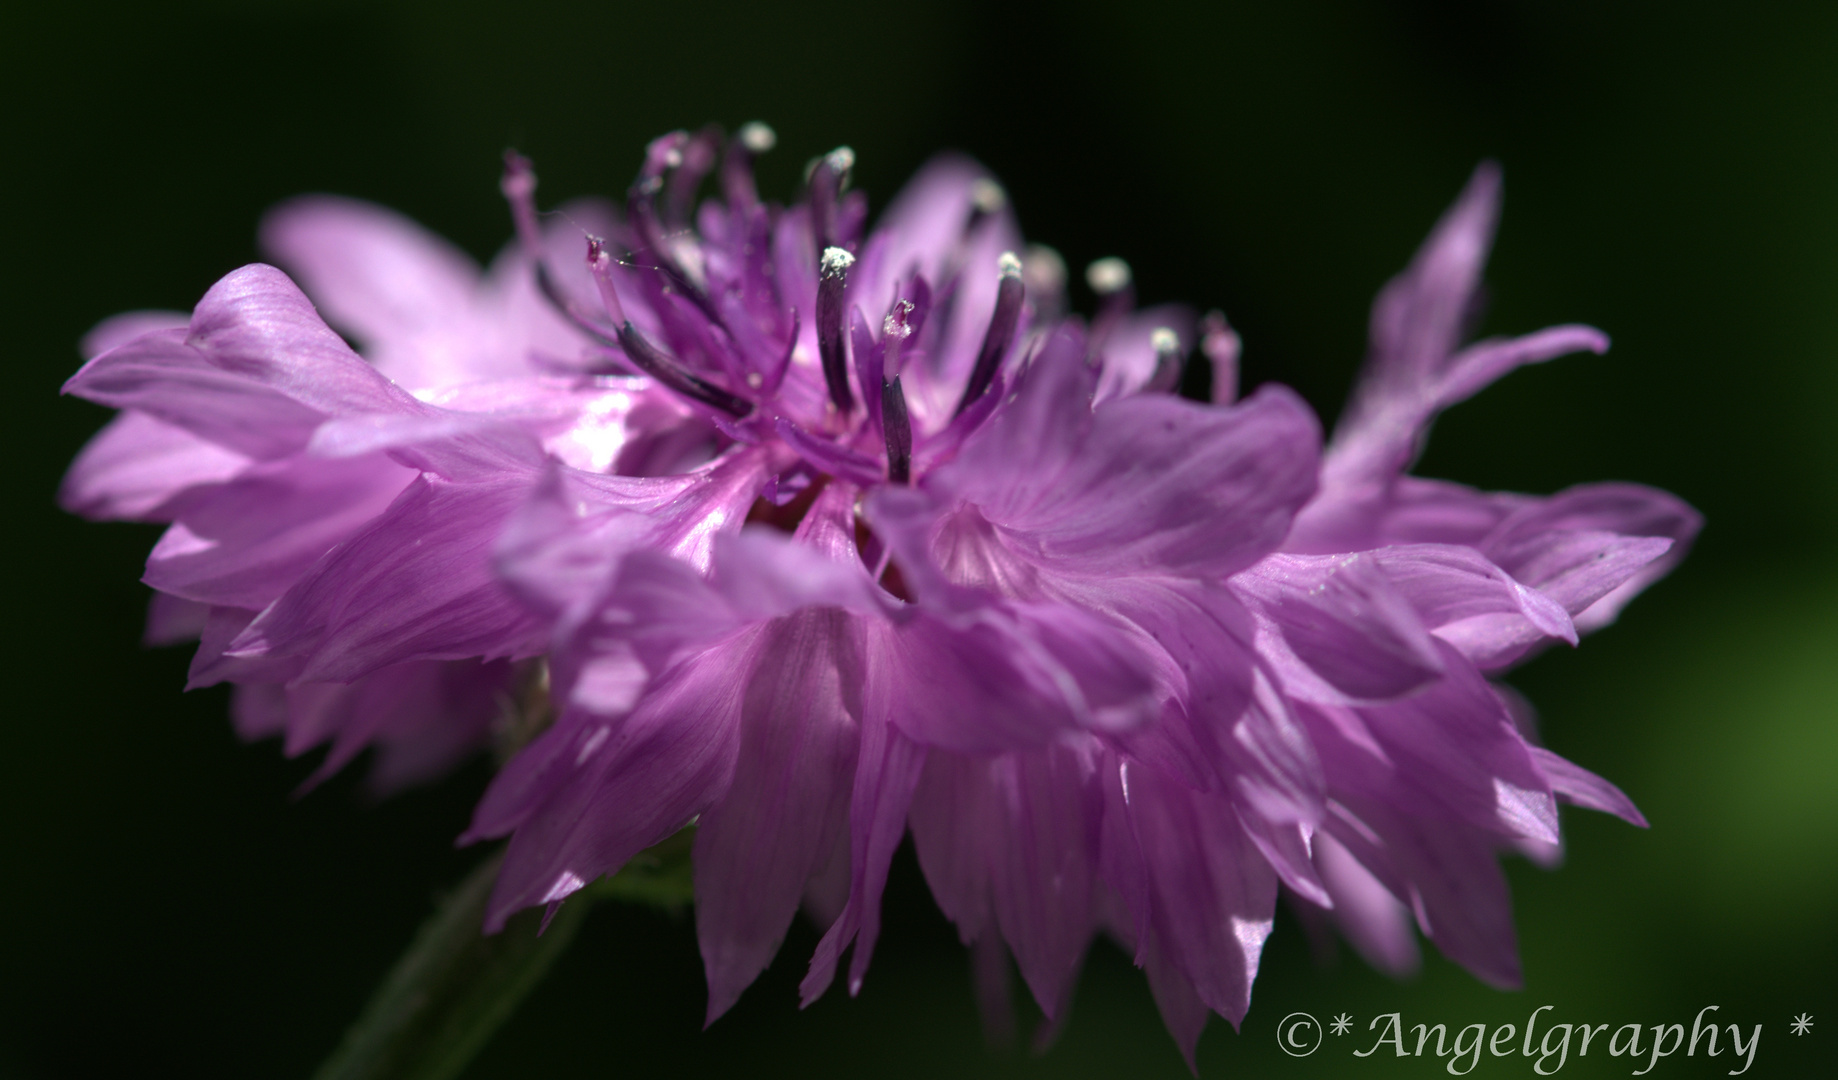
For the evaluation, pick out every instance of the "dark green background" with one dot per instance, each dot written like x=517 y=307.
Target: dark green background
x=1672 y=176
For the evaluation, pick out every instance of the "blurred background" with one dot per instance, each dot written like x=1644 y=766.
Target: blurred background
x=1671 y=176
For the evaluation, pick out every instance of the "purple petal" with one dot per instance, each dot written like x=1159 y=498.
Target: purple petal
x=1023 y=847
x=415 y=584
x=1537 y=546
x=957 y=830
x=1223 y=727
x=1181 y=1007
x=562 y=545
x=380 y=276
x=134 y=467
x=120 y=329
x=886 y=773
x=245 y=542
x=1451 y=878
x=1211 y=896
x=258 y=710
x=1399 y=510
x=1454 y=753
x=622 y=791
x=922 y=227
x=1414 y=370
x=1014 y=675
x=1376 y=923
x=1484 y=362
x=759 y=846
x=1288 y=850
x=256 y=371
x=164 y=376
x=1578 y=785
x=1419 y=317
x=424 y=717
x=1471 y=603
x=1144 y=483
x=211 y=665
x=172 y=619
x=1337 y=629
x=256 y=323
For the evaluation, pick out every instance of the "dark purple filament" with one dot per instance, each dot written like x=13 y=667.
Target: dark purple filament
x=1001 y=328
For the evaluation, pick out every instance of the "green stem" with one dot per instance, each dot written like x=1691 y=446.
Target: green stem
x=453 y=988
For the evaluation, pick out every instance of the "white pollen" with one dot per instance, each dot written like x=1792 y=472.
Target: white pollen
x=987 y=195
x=1009 y=265
x=895 y=324
x=835 y=261
x=842 y=159
x=757 y=137
x=1164 y=340
x=1108 y=275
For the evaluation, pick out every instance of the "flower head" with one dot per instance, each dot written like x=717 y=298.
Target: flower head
x=830 y=533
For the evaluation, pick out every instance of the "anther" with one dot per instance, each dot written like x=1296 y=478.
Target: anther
x=757 y=137
x=987 y=196
x=1108 y=275
x=895 y=329
x=1009 y=295
x=898 y=429
x=832 y=278
x=1168 y=361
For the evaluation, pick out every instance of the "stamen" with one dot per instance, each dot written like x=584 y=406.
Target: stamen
x=666 y=152
x=737 y=186
x=663 y=154
x=832 y=277
x=898 y=429
x=1111 y=279
x=600 y=264
x=1043 y=271
x=1169 y=360
x=1221 y=345
x=696 y=158
x=828 y=177
x=519 y=187
x=1001 y=328
x=646 y=357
